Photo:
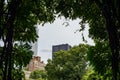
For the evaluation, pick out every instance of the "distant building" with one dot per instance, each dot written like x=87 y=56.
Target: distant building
x=36 y=64
x=57 y=48
x=35 y=45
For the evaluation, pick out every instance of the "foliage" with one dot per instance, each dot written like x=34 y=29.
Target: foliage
x=22 y=54
x=28 y=14
x=17 y=23
x=100 y=57
x=18 y=74
x=103 y=17
x=88 y=72
x=17 y=18
x=39 y=75
x=93 y=75
x=90 y=11
x=68 y=65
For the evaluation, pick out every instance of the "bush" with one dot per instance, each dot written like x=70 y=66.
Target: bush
x=39 y=75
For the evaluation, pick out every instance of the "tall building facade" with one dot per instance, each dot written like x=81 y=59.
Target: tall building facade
x=57 y=48
x=35 y=45
x=35 y=48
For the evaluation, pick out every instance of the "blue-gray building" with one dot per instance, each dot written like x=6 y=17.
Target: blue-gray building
x=57 y=48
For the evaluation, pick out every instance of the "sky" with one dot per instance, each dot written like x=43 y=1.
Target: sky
x=58 y=33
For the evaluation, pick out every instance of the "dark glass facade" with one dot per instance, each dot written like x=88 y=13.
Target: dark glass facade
x=56 y=48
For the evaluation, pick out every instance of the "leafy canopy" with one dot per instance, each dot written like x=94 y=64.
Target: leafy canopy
x=68 y=65
x=39 y=75
x=17 y=23
x=103 y=17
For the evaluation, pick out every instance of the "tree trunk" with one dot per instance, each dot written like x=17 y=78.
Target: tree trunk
x=8 y=43
x=113 y=41
x=108 y=13
x=1 y=27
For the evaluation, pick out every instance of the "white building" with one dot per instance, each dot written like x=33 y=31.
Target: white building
x=35 y=45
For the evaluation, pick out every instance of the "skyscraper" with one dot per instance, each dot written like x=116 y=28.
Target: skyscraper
x=35 y=45
x=57 y=48
x=35 y=48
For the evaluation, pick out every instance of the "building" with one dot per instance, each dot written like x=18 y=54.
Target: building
x=57 y=48
x=35 y=45
x=36 y=64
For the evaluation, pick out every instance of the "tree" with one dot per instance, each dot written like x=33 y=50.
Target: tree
x=100 y=14
x=92 y=75
x=68 y=65
x=100 y=57
x=17 y=21
x=39 y=74
x=21 y=56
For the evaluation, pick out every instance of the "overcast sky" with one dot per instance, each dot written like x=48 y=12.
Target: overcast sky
x=57 y=33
